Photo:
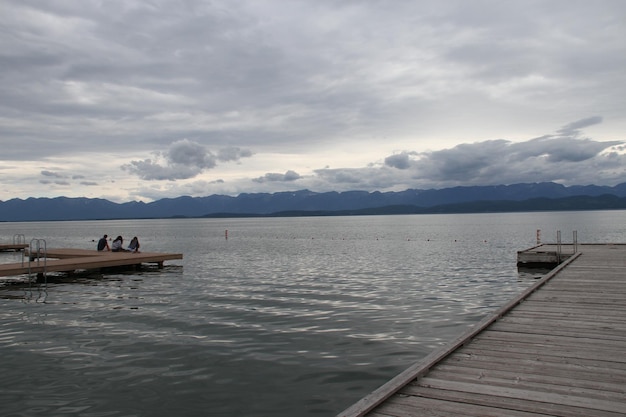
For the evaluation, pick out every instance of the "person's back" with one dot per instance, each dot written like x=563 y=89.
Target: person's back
x=103 y=244
x=118 y=245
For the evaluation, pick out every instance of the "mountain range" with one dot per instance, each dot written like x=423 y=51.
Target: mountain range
x=500 y=198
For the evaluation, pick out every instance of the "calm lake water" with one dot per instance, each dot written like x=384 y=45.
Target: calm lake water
x=286 y=317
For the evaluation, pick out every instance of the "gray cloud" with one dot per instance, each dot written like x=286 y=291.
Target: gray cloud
x=184 y=159
x=233 y=153
x=148 y=169
x=47 y=173
x=187 y=153
x=305 y=85
x=573 y=129
x=400 y=160
x=559 y=158
x=548 y=158
x=275 y=177
x=58 y=182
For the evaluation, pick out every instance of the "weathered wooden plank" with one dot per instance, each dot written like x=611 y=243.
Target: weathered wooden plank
x=565 y=313
x=568 y=330
x=525 y=380
x=614 y=314
x=406 y=406
x=521 y=394
x=479 y=354
x=519 y=370
x=582 y=342
x=608 y=355
x=610 y=312
x=550 y=323
x=527 y=403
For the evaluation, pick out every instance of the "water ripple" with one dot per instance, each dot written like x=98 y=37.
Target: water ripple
x=301 y=316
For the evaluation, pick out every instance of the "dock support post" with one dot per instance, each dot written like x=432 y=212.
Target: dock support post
x=558 y=246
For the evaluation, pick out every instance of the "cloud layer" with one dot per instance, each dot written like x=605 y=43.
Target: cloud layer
x=143 y=100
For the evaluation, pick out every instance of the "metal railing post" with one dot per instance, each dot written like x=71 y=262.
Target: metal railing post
x=558 y=246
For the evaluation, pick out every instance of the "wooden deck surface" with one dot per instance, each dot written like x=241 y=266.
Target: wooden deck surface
x=559 y=349
x=69 y=260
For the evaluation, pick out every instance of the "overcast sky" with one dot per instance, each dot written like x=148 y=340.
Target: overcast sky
x=140 y=100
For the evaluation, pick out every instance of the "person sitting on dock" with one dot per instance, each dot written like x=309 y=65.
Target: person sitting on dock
x=134 y=245
x=117 y=245
x=103 y=244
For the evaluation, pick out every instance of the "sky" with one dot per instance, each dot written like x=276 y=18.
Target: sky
x=142 y=100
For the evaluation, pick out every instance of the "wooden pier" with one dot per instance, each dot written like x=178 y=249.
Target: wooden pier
x=71 y=260
x=558 y=349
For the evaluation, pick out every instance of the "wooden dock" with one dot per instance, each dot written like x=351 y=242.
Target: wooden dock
x=72 y=260
x=558 y=349
x=13 y=247
x=545 y=255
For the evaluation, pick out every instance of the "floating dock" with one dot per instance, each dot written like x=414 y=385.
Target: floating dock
x=558 y=349
x=72 y=260
x=545 y=255
x=13 y=247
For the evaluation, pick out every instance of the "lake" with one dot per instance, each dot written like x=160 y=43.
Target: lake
x=263 y=316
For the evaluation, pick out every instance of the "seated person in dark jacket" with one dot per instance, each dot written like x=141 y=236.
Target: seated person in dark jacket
x=103 y=244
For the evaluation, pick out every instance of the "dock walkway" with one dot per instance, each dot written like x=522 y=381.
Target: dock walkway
x=70 y=260
x=559 y=349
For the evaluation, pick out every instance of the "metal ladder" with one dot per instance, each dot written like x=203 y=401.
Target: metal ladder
x=36 y=251
x=559 y=249
x=20 y=239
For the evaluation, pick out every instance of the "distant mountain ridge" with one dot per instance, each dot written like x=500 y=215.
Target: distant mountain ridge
x=515 y=197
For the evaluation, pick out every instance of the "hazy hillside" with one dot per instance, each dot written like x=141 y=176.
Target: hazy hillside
x=516 y=197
